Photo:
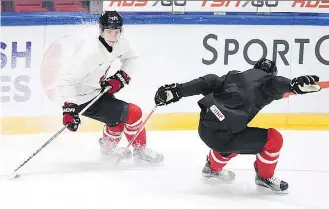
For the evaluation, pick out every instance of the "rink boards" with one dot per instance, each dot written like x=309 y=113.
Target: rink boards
x=173 y=49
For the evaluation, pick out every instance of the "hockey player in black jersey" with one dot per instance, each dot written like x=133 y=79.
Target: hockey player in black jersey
x=230 y=102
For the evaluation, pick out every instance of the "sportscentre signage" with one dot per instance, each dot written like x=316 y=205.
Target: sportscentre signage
x=279 y=48
x=305 y=6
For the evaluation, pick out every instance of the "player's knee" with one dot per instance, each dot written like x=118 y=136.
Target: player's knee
x=274 y=141
x=117 y=127
x=134 y=113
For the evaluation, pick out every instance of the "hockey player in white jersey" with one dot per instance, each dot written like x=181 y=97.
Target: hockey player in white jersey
x=88 y=73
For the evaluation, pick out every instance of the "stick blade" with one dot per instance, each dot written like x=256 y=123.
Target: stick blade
x=13 y=176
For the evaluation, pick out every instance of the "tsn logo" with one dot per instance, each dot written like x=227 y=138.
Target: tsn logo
x=265 y=3
x=239 y=3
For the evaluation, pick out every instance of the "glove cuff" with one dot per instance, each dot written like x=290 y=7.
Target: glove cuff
x=70 y=108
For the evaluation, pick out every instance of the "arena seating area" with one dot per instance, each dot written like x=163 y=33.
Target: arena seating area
x=44 y=6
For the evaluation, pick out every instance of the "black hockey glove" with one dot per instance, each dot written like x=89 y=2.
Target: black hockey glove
x=305 y=84
x=167 y=94
x=116 y=82
x=71 y=116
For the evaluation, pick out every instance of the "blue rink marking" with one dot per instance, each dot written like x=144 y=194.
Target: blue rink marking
x=140 y=18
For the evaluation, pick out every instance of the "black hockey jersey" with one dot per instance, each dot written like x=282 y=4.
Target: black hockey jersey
x=231 y=101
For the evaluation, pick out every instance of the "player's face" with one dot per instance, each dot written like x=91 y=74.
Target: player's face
x=111 y=36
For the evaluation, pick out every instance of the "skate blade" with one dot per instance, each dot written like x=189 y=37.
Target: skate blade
x=266 y=190
x=214 y=180
x=106 y=159
x=145 y=163
x=110 y=163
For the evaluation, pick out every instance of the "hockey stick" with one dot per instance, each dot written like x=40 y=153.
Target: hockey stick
x=323 y=84
x=14 y=175
x=135 y=136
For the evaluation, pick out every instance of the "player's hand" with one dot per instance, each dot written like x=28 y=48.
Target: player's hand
x=71 y=116
x=167 y=94
x=116 y=82
x=305 y=84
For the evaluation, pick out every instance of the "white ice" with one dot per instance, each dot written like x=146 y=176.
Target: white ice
x=67 y=174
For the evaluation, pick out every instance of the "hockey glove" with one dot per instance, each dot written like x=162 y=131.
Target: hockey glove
x=167 y=94
x=71 y=116
x=116 y=82
x=305 y=84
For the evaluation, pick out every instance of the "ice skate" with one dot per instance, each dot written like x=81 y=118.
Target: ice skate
x=224 y=175
x=274 y=184
x=143 y=155
x=110 y=149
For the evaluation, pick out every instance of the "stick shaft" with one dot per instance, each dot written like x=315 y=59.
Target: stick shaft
x=60 y=131
x=136 y=135
x=323 y=84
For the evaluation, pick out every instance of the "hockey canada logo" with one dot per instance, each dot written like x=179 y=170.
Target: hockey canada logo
x=217 y=113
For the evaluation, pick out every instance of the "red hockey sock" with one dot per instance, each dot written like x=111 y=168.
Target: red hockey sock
x=133 y=123
x=267 y=160
x=113 y=133
x=217 y=161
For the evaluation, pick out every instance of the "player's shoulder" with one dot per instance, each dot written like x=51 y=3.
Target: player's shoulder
x=235 y=72
x=88 y=47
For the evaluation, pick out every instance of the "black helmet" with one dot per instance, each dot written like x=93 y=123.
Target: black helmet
x=110 y=20
x=267 y=66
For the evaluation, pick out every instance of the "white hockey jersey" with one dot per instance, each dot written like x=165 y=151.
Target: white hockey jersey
x=79 y=82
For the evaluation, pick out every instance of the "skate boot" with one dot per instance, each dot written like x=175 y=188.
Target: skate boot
x=274 y=184
x=224 y=174
x=110 y=149
x=143 y=155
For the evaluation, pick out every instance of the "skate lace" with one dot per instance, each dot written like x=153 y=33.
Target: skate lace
x=275 y=180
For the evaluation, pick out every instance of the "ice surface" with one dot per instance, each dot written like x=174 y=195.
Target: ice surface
x=67 y=174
